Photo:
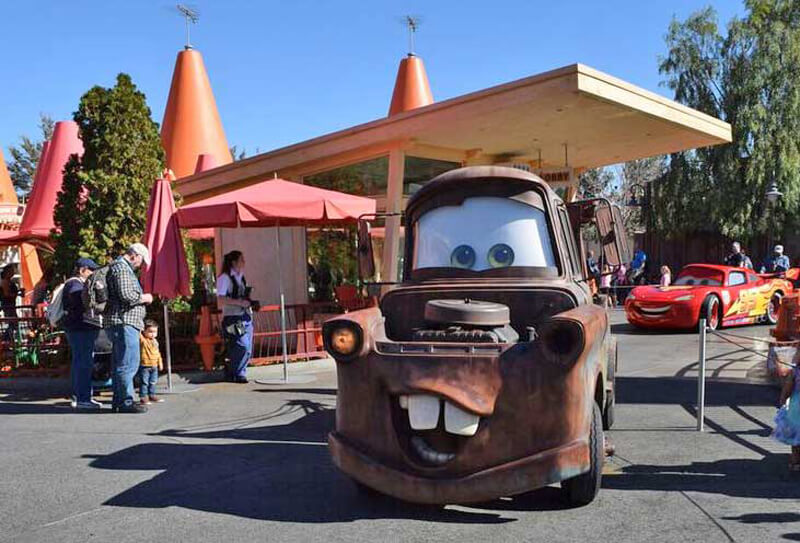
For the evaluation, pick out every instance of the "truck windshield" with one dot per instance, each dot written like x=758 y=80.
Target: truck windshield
x=483 y=233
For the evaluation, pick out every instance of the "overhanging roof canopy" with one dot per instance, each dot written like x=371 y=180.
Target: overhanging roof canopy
x=574 y=116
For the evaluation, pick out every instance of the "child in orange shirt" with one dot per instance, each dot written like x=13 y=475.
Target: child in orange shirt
x=150 y=364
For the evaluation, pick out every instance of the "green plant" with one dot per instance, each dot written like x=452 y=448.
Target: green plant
x=102 y=207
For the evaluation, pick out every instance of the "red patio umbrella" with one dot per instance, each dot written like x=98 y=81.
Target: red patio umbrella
x=275 y=202
x=168 y=273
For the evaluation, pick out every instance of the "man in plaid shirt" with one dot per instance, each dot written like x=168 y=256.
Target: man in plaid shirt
x=124 y=319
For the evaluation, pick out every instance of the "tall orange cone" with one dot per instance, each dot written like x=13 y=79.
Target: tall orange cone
x=411 y=88
x=7 y=193
x=30 y=267
x=191 y=125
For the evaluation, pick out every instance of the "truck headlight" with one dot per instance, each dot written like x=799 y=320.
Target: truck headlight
x=343 y=339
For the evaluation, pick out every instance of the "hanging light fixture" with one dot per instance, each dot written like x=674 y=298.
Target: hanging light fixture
x=773 y=194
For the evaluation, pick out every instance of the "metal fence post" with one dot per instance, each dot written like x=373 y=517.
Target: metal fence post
x=701 y=378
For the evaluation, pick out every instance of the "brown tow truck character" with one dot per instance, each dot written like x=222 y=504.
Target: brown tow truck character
x=488 y=372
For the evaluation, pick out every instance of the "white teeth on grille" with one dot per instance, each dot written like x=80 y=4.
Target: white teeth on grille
x=423 y=411
x=460 y=422
x=427 y=453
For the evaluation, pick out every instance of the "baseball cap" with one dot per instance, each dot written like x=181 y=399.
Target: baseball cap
x=86 y=263
x=141 y=250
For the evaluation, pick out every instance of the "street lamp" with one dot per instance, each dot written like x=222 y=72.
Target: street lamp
x=772 y=195
x=641 y=201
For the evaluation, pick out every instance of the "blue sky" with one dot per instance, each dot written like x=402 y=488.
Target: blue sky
x=283 y=72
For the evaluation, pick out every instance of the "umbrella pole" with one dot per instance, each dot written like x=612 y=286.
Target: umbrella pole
x=169 y=349
x=284 y=349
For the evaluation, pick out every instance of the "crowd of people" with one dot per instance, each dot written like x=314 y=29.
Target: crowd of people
x=775 y=263
x=108 y=301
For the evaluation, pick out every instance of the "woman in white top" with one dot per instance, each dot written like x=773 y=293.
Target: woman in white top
x=233 y=299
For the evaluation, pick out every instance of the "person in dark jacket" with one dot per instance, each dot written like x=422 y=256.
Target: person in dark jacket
x=80 y=335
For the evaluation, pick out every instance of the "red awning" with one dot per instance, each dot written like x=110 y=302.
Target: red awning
x=274 y=202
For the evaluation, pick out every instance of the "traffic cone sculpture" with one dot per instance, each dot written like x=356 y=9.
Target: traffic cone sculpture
x=206 y=338
x=411 y=88
x=191 y=125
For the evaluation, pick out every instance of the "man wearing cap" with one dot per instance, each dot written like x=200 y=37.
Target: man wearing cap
x=778 y=262
x=81 y=335
x=124 y=319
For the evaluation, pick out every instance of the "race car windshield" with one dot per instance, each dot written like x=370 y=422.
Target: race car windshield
x=483 y=233
x=695 y=276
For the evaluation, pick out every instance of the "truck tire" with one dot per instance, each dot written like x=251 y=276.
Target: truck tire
x=583 y=489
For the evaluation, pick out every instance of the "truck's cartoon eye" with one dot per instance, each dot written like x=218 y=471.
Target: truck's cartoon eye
x=500 y=256
x=463 y=256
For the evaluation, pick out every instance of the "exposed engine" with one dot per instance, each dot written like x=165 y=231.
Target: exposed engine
x=466 y=321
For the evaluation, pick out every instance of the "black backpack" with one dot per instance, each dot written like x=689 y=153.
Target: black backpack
x=95 y=297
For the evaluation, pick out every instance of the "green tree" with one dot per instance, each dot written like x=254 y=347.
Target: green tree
x=596 y=183
x=635 y=180
x=25 y=156
x=746 y=76
x=102 y=207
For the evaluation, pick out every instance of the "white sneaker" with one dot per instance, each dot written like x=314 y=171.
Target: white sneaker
x=91 y=404
x=73 y=401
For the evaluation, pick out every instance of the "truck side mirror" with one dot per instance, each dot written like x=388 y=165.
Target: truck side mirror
x=613 y=237
x=366 y=258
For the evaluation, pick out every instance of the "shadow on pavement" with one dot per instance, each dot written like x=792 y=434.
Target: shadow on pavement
x=744 y=478
x=283 y=473
x=670 y=390
x=13 y=408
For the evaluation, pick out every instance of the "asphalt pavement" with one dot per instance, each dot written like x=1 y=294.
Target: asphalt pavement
x=221 y=461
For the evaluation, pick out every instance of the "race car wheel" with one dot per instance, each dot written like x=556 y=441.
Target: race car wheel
x=583 y=489
x=773 y=307
x=712 y=311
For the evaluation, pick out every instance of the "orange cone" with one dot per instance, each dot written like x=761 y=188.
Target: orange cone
x=206 y=339
x=191 y=125
x=411 y=88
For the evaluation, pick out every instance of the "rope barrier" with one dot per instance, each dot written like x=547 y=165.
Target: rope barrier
x=759 y=353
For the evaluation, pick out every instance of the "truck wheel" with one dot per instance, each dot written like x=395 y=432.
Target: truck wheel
x=611 y=401
x=583 y=489
x=367 y=492
x=712 y=311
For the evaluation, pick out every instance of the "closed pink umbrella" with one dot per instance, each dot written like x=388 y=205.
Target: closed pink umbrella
x=168 y=273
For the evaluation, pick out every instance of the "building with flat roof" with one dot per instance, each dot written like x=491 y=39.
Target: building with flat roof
x=557 y=124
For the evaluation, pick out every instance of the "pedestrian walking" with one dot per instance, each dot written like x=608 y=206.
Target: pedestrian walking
x=151 y=363
x=787 y=421
x=124 y=319
x=81 y=335
x=233 y=299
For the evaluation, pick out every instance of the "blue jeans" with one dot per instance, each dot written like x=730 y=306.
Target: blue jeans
x=125 y=362
x=239 y=348
x=81 y=346
x=148 y=377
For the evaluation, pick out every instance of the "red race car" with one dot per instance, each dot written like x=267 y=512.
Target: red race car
x=724 y=295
